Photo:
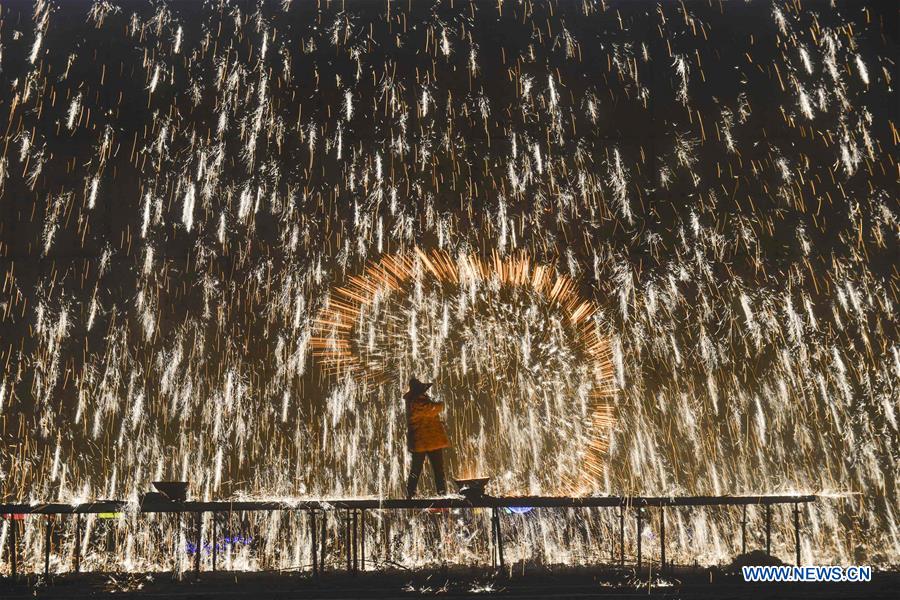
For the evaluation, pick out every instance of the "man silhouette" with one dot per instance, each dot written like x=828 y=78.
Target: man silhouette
x=425 y=436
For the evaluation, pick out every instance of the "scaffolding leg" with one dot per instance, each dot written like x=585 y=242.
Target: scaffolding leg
x=622 y=535
x=492 y=544
x=13 y=554
x=215 y=541
x=198 y=540
x=323 y=546
x=385 y=519
x=797 y=531
x=612 y=544
x=639 y=528
x=662 y=538
x=498 y=537
x=355 y=537
x=347 y=540
x=744 y=530
x=362 y=539
x=176 y=541
x=314 y=534
x=768 y=529
x=48 y=527
x=78 y=543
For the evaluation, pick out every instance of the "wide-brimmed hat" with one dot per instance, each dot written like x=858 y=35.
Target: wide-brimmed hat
x=417 y=388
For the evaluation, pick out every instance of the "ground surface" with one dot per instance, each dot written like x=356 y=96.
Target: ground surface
x=592 y=583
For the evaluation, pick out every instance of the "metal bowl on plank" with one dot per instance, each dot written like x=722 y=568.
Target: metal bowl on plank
x=472 y=487
x=174 y=491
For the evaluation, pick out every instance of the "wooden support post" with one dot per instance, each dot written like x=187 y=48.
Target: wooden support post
x=214 y=540
x=622 y=535
x=355 y=525
x=199 y=541
x=176 y=541
x=78 y=543
x=493 y=540
x=323 y=546
x=768 y=529
x=612 y=545
x=386 y=524
x=362 y=538
x=48 y=527
x=495 y=515
x=744 y=529
x=640 y=518
x=13 y=554
x=347 y=540
x=797 y=531
x=662 y=538
x=498 y=535
x=229 y=532
x=314 y=534
x=492 y=543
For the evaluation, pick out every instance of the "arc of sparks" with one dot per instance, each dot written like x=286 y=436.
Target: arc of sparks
x=332 y=344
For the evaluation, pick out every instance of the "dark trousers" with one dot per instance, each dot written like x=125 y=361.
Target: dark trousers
x=436 y=458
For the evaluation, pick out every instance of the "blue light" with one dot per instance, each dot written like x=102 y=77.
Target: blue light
x=221 y=546
x=520 y=510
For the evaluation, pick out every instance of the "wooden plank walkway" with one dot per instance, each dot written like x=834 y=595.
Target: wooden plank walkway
x=355 y=511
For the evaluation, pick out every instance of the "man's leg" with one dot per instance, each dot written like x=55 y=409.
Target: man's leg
x=436 y=458
x=418 y=459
